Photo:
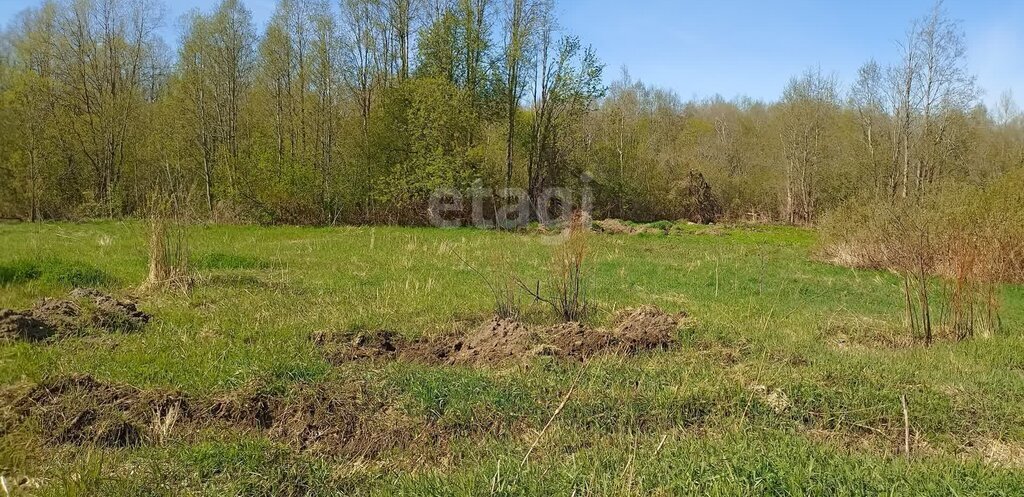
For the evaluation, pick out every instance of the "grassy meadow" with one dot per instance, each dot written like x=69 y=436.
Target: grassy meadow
x=787 y=378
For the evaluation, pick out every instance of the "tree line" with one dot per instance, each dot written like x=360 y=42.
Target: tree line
x=355 y=111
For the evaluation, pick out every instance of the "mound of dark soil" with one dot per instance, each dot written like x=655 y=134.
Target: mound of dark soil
x=245 y=408
x=645 y=328
x=64 y=316
x=504 y=341
x=345 y=420
x=83 y=310
x=635 y=331
x=338 y=419
x=108 y=313
x=20 y=326
x=363 y=346
x=80 y=410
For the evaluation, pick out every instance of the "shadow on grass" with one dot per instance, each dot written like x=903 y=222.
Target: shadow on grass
x=71 y=274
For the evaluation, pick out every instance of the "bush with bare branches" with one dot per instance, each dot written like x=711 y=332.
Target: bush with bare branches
x=954 y=247
x=568 y=279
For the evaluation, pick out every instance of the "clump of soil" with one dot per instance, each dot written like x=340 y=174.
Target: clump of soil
x=80 y=410
x=331 y=419
x=635 y=331
x=108 y=313
x=645 y=328
x=64 y=316
x=21 y=326
x=505 y=341
x=346 y=420
x=497 y=341
x=364 y=346
x=248 y=408
x=335 y=419
x=83 y=310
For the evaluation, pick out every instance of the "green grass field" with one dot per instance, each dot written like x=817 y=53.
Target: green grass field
x=782 y=383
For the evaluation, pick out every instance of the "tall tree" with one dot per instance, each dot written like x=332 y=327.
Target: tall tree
x=519 y=41
x=569 y=82
x=881 y=156
x=216 y=60
x=100 y=54
x=809 y=107
x=363 y=80
x=326 y=82
x=947 y=91
x=28 y=105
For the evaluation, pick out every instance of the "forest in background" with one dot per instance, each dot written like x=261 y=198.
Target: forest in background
x=355 y=111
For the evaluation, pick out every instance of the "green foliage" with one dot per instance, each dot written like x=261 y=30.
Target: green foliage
x=422 y=145
x=19 y=272
x=356 y=114
x=463 y=399
x=254 y=467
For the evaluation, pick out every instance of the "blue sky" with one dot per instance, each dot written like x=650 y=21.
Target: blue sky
x=701 y=48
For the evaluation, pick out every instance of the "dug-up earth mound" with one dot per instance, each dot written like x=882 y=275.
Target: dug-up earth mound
x=83 y=310
x=332 y=419
x=505 y=341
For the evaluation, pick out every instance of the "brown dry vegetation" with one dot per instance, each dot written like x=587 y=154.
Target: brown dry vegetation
x=953 y=247
x=168 y=245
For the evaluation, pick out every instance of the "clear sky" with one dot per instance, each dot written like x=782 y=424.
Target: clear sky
x=701 y=48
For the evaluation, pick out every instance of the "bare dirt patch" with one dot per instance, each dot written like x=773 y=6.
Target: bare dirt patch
x=362 y=346
x=497 y=341
x=81 y=311
x=504 y=341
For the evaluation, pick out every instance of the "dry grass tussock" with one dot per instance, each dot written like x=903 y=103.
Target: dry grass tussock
x=565 y=289
x=168 y=245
